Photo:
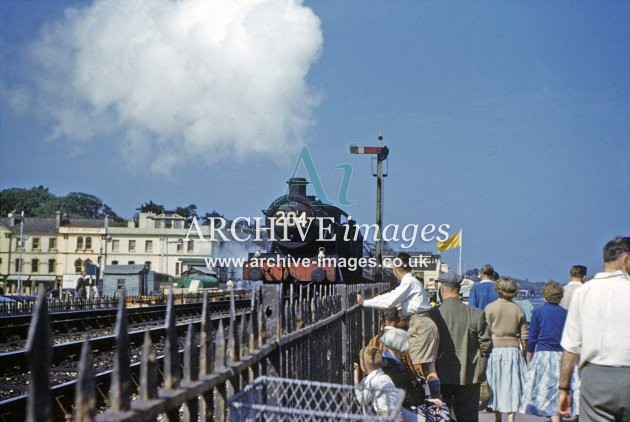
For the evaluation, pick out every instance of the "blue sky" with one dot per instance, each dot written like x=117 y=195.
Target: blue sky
x=508 y=120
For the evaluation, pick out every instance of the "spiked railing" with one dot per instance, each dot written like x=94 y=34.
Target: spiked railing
x=314 y=335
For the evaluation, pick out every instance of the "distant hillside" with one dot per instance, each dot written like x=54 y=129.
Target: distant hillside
x=529 y=285
x=522 y=284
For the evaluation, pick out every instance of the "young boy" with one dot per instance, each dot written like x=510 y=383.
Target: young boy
x=376 y=388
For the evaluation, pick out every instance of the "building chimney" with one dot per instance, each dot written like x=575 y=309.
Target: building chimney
x=58 y=219
x=106 y=220
x=297 y=186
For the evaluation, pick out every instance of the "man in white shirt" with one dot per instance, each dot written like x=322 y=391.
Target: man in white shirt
x=577 y=276
x=423 y=333
x=596 y=334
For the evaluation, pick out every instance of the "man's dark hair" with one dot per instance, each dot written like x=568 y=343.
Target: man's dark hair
x=495 y=276
x=615 y=248
x=403 y=258
x=577 y=271
x=487 y=270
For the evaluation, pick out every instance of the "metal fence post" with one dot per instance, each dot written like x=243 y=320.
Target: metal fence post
x=346 y=359
x=272 y=314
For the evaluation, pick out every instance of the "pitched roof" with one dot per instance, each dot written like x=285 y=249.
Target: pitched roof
x=32 y=225
x=83 y=222
x=124 y=269
x=49 y=225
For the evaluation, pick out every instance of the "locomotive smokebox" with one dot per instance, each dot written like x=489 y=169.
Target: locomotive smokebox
x=297 y=186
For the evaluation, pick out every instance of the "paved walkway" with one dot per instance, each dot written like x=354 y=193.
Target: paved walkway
x=489 y=417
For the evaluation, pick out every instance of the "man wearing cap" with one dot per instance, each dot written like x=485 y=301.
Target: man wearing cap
x=465 y=344
x=423 y=334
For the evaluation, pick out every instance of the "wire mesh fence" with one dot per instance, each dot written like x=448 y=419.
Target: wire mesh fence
x=283 y=399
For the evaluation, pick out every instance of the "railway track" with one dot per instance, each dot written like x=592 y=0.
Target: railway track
x=74 y=326
x=14 y=370
x=63 y=371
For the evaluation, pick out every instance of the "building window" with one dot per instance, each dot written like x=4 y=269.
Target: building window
x=34 y=265
x=148 y=246
x=114 y=262
x=178 y=268
x=177 y=224
x=36 y=243
x=88 y=243
x=168 y=224
x=17 y=265
x=120 y=283
x=52 y=243
x=80 y=242
x=51 y=265
x=115 y=245
x=131 y=262
x=78 y=266
x=158 y=224
x=132 y=246
x=180 y=246
x=17 y=244
x=191 y=246
x=147 y=265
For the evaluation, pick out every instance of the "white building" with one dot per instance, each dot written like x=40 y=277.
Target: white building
x=161 y=242
x=60 y=248
x=51 y=247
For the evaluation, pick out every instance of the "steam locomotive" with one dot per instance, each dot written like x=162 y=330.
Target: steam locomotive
x=310 y=242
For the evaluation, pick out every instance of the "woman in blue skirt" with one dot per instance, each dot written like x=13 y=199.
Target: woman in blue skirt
x=543 y=354
x=506 y=365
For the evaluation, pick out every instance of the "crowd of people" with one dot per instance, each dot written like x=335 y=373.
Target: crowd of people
x=569 y=357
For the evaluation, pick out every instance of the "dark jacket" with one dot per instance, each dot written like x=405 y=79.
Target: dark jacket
x=405 y=380
x=465 y=343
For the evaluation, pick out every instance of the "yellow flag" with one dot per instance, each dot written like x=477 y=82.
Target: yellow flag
x=452 y=242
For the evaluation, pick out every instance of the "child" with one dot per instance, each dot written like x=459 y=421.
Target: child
x=376 y=388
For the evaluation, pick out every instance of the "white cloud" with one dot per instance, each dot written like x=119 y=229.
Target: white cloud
x=181 y=79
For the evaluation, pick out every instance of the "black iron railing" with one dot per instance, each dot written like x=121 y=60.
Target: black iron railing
x=311 y=334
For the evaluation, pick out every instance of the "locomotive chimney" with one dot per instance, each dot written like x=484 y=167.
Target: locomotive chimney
x=297 y=186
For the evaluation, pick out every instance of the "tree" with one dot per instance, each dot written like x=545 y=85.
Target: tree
x=189 y=212
x=213 y=214
x=77 y=204
x=151 y=207
x=38 y=202
x=27 y=200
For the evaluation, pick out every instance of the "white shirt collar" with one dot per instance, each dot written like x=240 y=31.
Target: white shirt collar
x=618 y=273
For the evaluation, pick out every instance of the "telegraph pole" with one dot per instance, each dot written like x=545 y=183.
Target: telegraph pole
x=13 y=216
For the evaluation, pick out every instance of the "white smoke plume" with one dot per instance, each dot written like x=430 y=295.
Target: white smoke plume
x=179 y=79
